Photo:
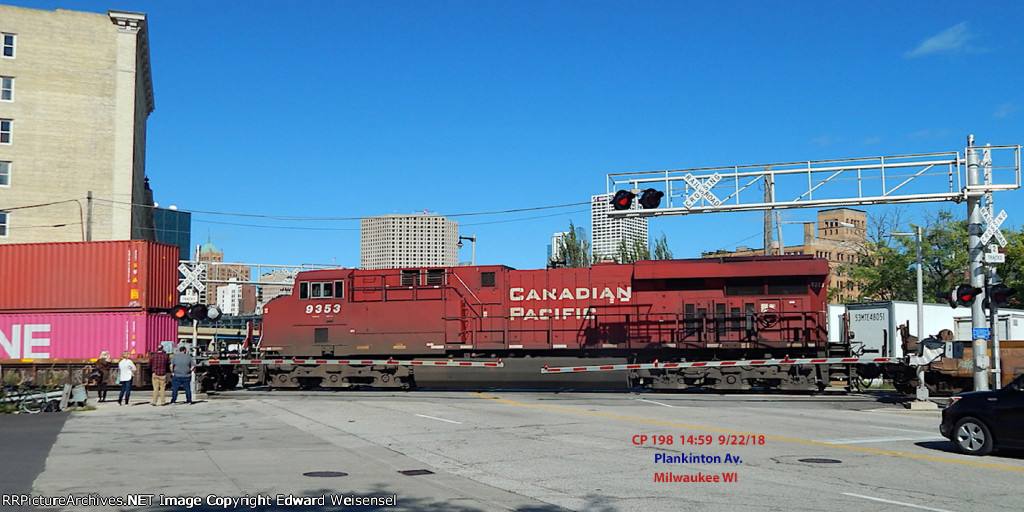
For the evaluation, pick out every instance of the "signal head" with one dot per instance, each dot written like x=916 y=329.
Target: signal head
x=622 y=200
x=998 y=294
x=179 y=312
x=965 y=294
x=651 y=198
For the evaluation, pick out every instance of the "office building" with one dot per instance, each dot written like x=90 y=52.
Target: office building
x=607 y=234
x=75 y=95
x=401 y=241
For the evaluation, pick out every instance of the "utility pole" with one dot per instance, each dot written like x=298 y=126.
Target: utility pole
x=768 y=185
x=88 y=216
x=975 y=267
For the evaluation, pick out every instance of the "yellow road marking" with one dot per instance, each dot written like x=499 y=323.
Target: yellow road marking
x=775 y=438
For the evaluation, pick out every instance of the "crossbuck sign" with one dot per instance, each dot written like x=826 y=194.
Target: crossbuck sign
x=992 y=227
x=192 y=276
x=702 y=190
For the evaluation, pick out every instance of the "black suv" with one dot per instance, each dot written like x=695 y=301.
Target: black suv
x=979 y=421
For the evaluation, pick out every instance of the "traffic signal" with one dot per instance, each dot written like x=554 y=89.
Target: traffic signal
x=651 y=198
x=962 y=295
x=195 y=312
x=998 y=294
x=622 y=200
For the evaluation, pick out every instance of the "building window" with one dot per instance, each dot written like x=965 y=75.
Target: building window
x=8 y=46
x=5 y=174
x=6 y=88
x=3 y=224
x=5 y=131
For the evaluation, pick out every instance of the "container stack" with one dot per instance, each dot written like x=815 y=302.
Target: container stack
x=74 y=300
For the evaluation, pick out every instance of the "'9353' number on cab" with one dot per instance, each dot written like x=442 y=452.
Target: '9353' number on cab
x=322 y=308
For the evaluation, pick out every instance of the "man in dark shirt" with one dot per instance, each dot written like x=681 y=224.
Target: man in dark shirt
x=182 y=365
x=158 y=364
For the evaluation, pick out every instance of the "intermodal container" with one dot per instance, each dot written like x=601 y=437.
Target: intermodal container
x=130 y=275
x=83 y=335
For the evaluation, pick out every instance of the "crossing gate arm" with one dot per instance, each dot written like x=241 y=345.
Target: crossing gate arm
x=719 y=364
x=377 y=362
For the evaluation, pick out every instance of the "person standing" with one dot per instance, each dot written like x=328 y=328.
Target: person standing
x=102 y=373
x=159 y=364
x=182 y=366
x=126 y=371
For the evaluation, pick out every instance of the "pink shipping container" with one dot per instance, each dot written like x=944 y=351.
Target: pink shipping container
x=88 y=276
x=83 y=335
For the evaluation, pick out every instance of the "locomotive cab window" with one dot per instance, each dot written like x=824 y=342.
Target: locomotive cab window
x=324 y=290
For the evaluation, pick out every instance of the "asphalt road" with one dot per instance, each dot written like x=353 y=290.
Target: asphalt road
x=524 y=452
x=25 y=441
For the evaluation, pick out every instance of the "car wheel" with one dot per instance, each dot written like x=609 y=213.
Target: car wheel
x=972 y=437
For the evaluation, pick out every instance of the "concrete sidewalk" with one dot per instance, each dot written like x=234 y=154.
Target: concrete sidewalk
x=246 y=450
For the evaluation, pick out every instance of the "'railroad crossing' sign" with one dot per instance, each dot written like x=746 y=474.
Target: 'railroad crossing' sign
x=192 y=276
x=702 y=190
x=992 y=227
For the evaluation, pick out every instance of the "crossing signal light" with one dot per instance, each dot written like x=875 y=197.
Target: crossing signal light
x=998 y=294
x=651 y=198
x=965 y=294
x=962 y=295
x=195 y=312
x=622 y=200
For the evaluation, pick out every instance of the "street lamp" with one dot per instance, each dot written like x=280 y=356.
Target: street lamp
x=922 y=390
x=472 y=260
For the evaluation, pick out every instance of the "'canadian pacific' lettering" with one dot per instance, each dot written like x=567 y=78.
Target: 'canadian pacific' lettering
x=620 y=294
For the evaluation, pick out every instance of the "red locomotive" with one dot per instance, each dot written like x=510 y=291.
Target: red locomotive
x=677 y=310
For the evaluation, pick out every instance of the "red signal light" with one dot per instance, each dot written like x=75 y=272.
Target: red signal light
x=179 y=312
x=965 y=294
x=651 y=198
x=622 y=200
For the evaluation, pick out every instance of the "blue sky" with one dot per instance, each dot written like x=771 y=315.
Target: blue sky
x=347 y=109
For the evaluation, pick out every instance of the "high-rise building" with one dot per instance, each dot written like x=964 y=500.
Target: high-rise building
x=218 y=274
x=229 y=299
x=175 y=228
x=555 y=248
x=274 y=284
x=607 y=234
x=75 y=94
x=399 y=241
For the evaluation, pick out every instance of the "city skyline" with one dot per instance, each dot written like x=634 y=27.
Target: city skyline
x=471 y=109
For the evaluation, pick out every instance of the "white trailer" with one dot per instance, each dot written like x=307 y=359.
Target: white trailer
x=870 y=327
x=1009 y=326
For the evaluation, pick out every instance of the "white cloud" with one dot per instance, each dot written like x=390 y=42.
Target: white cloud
x=824 y=141
x=1005 y=110
x=955 y=39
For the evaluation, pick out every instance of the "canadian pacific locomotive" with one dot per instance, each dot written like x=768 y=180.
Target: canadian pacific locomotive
x=674 y=310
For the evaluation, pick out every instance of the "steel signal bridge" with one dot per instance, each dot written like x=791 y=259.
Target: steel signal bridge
x=933 y=177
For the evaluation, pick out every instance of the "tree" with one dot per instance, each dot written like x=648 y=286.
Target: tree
x=661 y=250
x=887 y=265
x=575 y=248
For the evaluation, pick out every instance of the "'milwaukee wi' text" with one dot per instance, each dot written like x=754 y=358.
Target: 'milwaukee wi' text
x=699 y=477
